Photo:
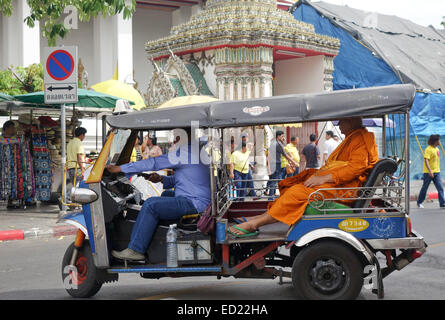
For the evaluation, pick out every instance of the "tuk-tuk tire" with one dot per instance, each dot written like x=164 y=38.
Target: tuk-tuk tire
x=90 y=285
x=334 y=249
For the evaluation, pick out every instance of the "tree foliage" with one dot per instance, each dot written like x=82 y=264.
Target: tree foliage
x=443 y=22
x=21 y=80
x=49 y=13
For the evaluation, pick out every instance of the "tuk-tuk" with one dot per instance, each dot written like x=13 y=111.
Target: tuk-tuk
x=330 y=253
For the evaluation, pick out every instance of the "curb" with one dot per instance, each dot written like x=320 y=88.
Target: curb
x=36 y=233
x=429 y=196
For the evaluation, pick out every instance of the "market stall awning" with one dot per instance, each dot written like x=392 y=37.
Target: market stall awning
x=5 y=97
x=122 y=90
x=89 y=100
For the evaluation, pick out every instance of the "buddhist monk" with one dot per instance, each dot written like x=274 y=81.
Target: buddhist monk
x=347 y=166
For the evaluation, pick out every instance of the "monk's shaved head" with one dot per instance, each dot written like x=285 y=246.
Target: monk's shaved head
x=347 y=125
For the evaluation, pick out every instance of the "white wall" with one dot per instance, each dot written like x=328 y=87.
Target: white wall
x=147 y=25
x=300 y=75
x=181 y=15
x=18 y=41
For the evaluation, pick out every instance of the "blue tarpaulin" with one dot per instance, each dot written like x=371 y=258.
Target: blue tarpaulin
x=355 y=66
x=427 y=115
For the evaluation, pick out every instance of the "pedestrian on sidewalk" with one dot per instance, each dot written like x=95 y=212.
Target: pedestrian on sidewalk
x=329 y=146
x=431 y=171
x=291 y=149
x=75 y=155
x=277 y=150
x=312 y=153
x=239 y=169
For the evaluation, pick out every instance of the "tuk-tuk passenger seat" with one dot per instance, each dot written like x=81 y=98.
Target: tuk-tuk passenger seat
x=384 y=167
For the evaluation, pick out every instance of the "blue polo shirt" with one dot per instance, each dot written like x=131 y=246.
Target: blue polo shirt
x=191 y=179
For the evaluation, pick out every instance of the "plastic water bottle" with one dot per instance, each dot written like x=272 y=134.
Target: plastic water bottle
x=172 y=247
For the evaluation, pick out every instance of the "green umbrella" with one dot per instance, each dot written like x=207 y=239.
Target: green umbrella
x=87 y=99
x=6 y=97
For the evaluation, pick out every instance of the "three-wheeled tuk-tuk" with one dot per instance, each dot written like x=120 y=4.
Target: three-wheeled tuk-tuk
x=330 y=253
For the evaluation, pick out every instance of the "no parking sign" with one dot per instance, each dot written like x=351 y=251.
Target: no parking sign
x=60 y=75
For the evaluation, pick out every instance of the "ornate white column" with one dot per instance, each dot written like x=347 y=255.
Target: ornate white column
x=244 y=67
x=21 y=44
x=113 y=46
x=328 y=65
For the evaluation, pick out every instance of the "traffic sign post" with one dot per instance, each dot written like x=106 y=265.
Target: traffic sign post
x=60 y=75
x=60 y=78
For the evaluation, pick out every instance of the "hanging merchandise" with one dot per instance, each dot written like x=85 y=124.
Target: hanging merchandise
x=42 y=166
x=16 y=170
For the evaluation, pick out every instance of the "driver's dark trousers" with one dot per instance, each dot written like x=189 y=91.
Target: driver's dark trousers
x=167 y=207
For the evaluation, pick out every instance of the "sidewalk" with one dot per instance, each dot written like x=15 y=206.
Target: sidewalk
x=415 y=186
x=38 y=221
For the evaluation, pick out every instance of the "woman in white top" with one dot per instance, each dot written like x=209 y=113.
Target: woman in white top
x=150 y=149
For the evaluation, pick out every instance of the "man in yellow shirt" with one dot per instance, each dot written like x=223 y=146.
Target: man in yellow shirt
x=75 y=154
x=239 y=169
x=431 y=171
x=291 y=149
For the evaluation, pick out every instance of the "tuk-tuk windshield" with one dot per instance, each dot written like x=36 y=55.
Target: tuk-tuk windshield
x=120 y=139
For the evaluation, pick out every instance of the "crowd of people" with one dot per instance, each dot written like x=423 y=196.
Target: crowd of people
x=283 y=161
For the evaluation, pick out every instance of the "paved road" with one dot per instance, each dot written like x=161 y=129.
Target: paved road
x=30 y=269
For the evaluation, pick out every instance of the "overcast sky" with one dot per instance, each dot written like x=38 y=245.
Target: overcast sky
x=423 y=12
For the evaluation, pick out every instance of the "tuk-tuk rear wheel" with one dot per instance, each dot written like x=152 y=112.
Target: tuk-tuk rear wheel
x=327 y=270
x=87 y=282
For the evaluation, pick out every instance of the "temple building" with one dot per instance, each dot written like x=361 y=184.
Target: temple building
x=242 y=49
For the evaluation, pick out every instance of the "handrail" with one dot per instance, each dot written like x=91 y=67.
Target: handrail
x=72 y=204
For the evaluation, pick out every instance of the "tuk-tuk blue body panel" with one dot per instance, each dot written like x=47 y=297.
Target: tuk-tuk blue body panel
x=362 y=228
x=77 y=219
x=86 y=209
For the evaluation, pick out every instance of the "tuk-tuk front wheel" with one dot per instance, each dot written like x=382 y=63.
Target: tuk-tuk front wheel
x=81 y=281
x=327 y=270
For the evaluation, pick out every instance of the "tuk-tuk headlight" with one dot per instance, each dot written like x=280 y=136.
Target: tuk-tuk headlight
x=83 y=195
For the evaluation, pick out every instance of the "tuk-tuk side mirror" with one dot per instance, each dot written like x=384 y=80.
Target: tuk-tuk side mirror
x=83 y=195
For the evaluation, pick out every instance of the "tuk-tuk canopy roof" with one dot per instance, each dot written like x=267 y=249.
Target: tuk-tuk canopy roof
x=367 y=102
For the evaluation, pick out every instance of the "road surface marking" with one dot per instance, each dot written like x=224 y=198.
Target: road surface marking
x=440 y=244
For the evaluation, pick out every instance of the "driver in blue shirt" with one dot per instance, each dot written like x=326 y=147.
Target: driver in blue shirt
x=191 y=183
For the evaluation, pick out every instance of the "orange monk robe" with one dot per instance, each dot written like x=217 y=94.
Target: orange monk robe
x=349 y=165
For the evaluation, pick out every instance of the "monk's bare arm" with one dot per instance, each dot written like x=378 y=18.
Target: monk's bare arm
x=314 y=180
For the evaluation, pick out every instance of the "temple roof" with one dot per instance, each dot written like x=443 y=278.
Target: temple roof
x=242 y=23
